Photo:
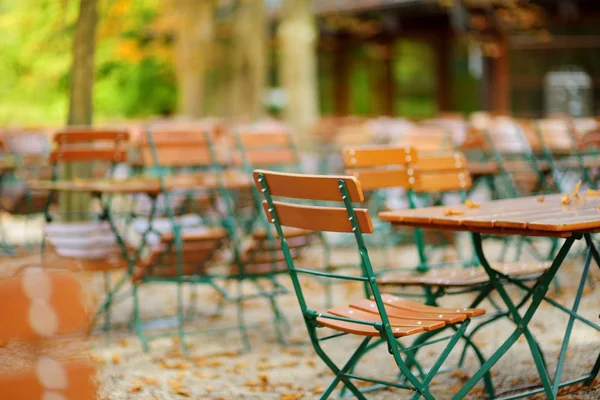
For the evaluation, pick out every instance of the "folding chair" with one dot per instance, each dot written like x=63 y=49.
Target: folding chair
x=385 y=317
x=276 y=150
x=71 y=245
x=44 y=308
x=561 y=150
x=187 y=255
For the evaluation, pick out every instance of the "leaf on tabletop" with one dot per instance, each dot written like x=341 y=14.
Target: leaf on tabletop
x=449 y=212
x=576 y=189
x=592 y=193
x=471 y=204
x=540 y=199
x=565 y=200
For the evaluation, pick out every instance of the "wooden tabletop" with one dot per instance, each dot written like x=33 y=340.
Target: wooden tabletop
x=527 y=216
x=148 y=185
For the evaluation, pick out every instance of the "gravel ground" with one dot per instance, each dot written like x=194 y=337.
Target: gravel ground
x=216 y=370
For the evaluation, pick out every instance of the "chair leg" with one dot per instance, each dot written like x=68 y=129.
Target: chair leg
x=181 y=319
x=137 y=323
x=339 y=372
x=107 y=310
x=594 y=373
x=240 y=317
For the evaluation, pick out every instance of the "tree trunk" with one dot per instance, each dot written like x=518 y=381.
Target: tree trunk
x=73 y=205
x=195 y=37
x=82 y=72
x=249 y=59
x=297 y=36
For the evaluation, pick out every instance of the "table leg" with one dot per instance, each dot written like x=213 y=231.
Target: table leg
x=567 y=337
x=522 y=322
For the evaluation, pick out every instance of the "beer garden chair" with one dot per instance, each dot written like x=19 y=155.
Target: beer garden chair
x=72 y=247
x=190 y=256
x=387 y=318
x=562 y=151
x=276 y=150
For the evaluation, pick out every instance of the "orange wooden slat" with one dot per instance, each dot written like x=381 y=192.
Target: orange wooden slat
x=71 y=136
x=309 y=187
x=373 y=156
x=326 y=219
x=88 y=154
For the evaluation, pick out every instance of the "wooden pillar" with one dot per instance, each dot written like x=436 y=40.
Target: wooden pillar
x=388 y=79
x=499 y=78
x=443 y=51
x=341 y=76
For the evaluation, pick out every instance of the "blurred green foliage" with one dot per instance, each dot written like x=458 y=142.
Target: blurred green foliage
x=134 y=69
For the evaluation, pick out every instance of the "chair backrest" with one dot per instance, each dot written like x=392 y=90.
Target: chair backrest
x=269 y=148
x=428 y=139
x=556 y=135
x=441 y=173
x=340 y=189
x=506 y=136
x=175 y=147
x=89 y=145
x=378 y=167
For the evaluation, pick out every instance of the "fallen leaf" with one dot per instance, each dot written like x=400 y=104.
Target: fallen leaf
x=209 y=389
x=576 y=189
x=565 y=200
x=205 y=375
x=289 y=364
x=540 y=199
x=449 y=212
x=116 y=358
x=150 y=381
x=471 y=204
x=592 y=193
x=136 y=388
x=182 y=392
x=318 y=390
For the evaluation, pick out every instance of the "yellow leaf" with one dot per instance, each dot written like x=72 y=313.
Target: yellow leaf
x=448 y=212
x=116 y=359
x=565 y=200
x=471 y=204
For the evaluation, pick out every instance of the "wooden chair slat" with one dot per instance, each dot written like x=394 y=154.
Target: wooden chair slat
x=177 y=155
x=71 y=136
x=456 y=161
x=266 y=157
x=371 y=179
x=309 y=187
x=373 y=156
x=74 y=155
x=443 y=181
x=326 y=219
x=266 y=139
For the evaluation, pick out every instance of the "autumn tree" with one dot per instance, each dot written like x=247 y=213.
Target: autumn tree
x=81 y=97
x=249 y=59
x=195 y=35
x=297 y=38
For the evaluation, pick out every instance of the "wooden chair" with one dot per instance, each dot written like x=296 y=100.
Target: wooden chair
x=388 y=167
x=514 y=145
x=87 y=154
x=45 y=307
x=385 y=317
x=427 y=139
x=561 y=149
x=446 y=174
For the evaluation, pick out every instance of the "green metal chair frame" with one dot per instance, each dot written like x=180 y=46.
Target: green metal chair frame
x=350 y=220
x=81 y=145
x=276 y=150
x=560 y=144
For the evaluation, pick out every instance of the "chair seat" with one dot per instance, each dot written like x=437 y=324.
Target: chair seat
x=465 y=277
x=406 y=318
